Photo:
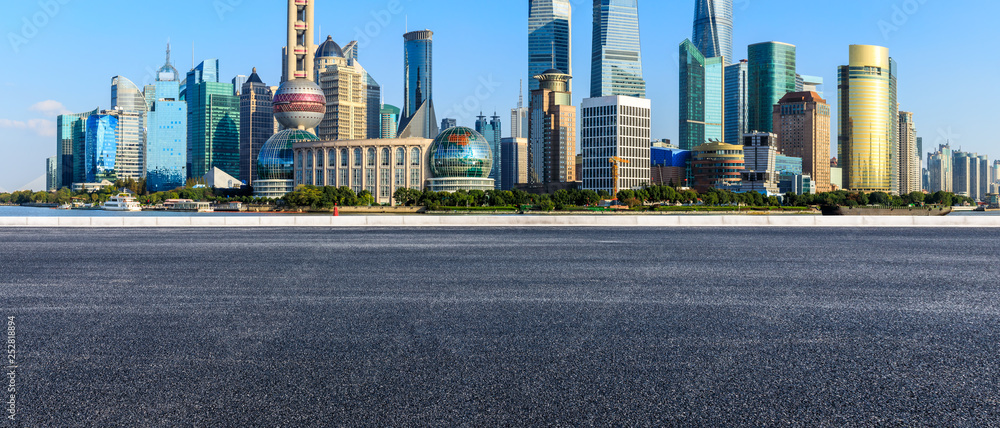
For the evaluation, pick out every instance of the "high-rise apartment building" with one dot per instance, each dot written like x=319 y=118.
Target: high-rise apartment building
x=51 y=169
x=513 y=162
x=616 y=61
x=760 y=173
x=615 y=127
x=867 y=142
x=552 y=145
x=389 y=121
x=702 y=97
x=419 y=119
x=713 y=28
x=213 y=122
x=166 y=132
x=71 y=135
x=962 y=173
x=940 y=166
x=802 y=124
x=771 y=75
x=737 y=107
x=984 y=177
x=549 y=38
x=345 y=84
x=492 y=130
x=909 y=169
x=256 y=123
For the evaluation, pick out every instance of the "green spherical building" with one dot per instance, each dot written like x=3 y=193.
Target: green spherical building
x=460 y=159
x=275 y=164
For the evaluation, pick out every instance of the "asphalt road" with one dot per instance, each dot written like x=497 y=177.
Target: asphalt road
x=502 y=327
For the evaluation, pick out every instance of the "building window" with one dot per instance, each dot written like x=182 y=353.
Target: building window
x=343 y=159
x=415 y=157
x=400 y=157
x=357 y=158
x=415 y=178
x=371 y=158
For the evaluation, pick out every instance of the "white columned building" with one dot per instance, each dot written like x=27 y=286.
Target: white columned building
x=615 y=126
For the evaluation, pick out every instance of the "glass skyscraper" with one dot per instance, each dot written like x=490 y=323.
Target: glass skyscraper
x=213 y=122
x=492 y=130
x=737 y=101
x=771 y=75
x=867 y=143
x=256 y=123
x=702 y=97
x=101 y=148
x=418 y=118
x=374 y=107
x=71 y=135
x=713 y=28
x=549 y=38
x=616 y=63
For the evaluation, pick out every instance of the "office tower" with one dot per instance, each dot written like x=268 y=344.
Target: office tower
x=166 y=132
x=702 y=97
x=995 y=172
x=126 y=96
x=213 y=122
x=389 y=121
x=519 y=116
x=71 y=135
x=373 y=108
x=908 y=157
x=550 y=44
x=513 y=162
x=351 y=50
x=867 y=118
x=616 y=61
x=770 y=75
x=713 y=28
x=736 y=102
x=940 y=165
x=961 y=162
x=448 y=123
x=760 y=172
x=619 y=127
x=51 y=169
x=809 y=84
x=492 y=130
x=238 y=82
x=984 y=177
x=717 y=165
x=802 y=124
x=256 y=124
x=101 y=148
x=419 y=119
x=345 y=85
x=552 y=142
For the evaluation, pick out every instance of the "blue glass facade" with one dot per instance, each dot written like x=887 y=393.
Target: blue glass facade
x=166 y=139
x=492 y=131
x=213 y=122
x=418 y=69
x=549 y=41
x=737 y=106
x=101 y=148
x=616 y=61
x=771 y=75
x=701 y=96
x=713 y=28
x=715 y=93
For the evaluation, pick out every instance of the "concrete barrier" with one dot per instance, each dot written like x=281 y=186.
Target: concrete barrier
x=507 y=221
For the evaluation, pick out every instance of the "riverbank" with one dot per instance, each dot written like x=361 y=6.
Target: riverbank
x=500 y=221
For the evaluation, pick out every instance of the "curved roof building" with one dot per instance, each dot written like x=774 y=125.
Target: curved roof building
x=460 y=159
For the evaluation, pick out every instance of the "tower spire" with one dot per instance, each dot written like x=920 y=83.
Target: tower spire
x=168 y=51
x=520 y=94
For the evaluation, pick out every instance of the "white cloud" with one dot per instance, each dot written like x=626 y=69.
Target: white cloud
x=50 y=108
x=42 y=127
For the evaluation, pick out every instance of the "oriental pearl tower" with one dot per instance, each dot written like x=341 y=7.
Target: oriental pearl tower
x=299 y=104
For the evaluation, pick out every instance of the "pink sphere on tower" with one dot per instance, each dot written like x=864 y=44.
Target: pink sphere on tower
x=299 y=104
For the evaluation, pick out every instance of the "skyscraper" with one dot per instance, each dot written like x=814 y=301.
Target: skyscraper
x=809 y=84
x=166 y=132
x=101 y=148
x=770 y=75
x=256 y=124
x=71 y=135
x=552 y=144
x=908 y=157
x=514 y=159
x=127 y=97
x=802 y=124
x=298 y=59
x=940 y=165
x=616 y=126
x=737 y=101
x=345 y=84
x=238 y=82
x=616 y=61
x=519 y=117
x=213 y=122
x=550 y=44
x=373 y=105
x=389 y=121
x=492 y=130
x=702 y=97
x=418 y=118
x=51 y=168
x=713 y=28
x=867 y=116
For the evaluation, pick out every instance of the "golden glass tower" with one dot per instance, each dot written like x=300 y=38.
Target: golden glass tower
x=867 y=145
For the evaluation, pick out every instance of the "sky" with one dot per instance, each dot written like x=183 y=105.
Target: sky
x=58 y=56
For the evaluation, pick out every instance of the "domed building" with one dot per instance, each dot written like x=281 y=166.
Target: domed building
x=276 y=165
x=460 y=159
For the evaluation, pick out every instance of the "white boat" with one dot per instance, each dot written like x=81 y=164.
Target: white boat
x=122 y=202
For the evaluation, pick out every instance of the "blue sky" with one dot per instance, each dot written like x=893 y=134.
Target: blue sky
x=59 y=56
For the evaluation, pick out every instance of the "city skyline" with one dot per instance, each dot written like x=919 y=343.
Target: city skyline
x=489 y=84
